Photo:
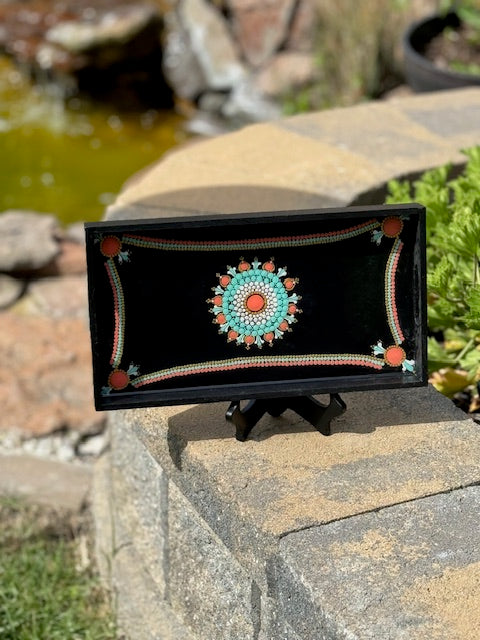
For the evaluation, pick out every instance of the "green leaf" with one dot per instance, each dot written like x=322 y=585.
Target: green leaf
x=398 y=192
x=472 y=318
x=439 y=279
x=470 y=15
x=471 y=363
x=453 y=269
x=438 y=358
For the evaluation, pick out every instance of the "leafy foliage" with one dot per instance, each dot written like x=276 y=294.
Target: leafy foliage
x=453 y=278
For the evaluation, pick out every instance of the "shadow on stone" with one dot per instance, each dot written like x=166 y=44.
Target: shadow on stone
x=221 y=199
x=366 y=412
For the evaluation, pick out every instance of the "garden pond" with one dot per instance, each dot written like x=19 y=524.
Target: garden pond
x=71 y=157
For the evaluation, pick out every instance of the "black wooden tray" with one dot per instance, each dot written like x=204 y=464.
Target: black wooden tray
x=264 y=305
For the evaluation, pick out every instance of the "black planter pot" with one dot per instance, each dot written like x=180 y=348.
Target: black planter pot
x=423 y=75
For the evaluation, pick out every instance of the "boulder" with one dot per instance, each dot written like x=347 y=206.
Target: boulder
x=45 y=375
x=286 y=72
x=117 y=25
x=10 y=290
x=28 y=240
x=180 y=65
x=260 y=27
x=71 y=260
x=211 y=44
x=302 y=28
x=76 y=233
x=57 y=298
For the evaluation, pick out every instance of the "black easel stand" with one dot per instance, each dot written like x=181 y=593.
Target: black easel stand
x=319 y=415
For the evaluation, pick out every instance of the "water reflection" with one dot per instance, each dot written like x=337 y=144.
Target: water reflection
x=72 y=157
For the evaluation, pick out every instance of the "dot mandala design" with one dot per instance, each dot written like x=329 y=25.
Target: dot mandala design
x=254 y=303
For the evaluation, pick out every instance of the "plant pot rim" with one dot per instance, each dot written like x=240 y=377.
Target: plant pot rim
x=425 y=63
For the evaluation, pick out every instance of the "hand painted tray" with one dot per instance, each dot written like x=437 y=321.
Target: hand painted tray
x=263 y=305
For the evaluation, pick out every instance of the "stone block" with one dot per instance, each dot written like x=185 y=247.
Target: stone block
x=207 y=586
x=263 y=166
x=217 y=509
x=57 y=484
x=409 y=571
x=380 y=132
x=142 y=611
x=283 y=631
x=331 y=158
x=145 y=538
x=141 y=474
x=140 y=495
x=389 y=447
x=453 y=116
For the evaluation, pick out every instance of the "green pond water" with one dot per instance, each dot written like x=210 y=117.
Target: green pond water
x=72 y=158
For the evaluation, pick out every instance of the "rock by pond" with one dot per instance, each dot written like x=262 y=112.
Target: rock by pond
x=45 y=358
x=138 y=53
x=107 y=48
x=27 y=241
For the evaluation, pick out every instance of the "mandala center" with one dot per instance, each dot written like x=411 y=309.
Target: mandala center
x=255 y=302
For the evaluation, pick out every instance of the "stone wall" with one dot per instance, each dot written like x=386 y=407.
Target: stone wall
x=291 y=535
x=369 y=533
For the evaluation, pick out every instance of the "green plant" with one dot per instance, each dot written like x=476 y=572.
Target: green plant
x=453 y=272
x=44 y=595
x=462 y=46
x=468 y=11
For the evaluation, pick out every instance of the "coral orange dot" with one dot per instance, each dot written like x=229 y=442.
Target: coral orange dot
x=255 y=302
x=225 y=280
x=268 y=266
x=110 y=246
x=249 y=340
x=268 y=337
x=221 y=319
x=289 y=284
x=283 y=326
x=118 y=379
x=292 y=308
x=243 y=266
x=392 y=226
x=232 y=335
x=217 y=301
x=394 y=356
